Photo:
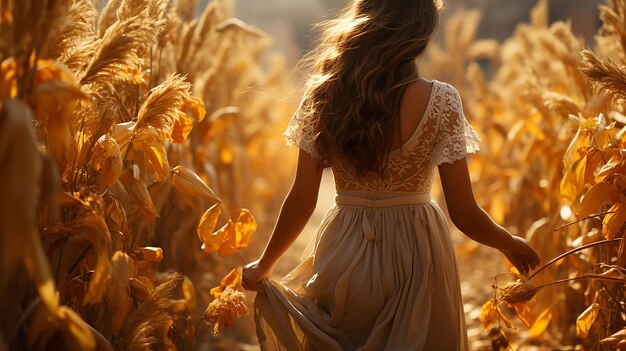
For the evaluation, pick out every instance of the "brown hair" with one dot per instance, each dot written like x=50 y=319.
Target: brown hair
x=361 y=66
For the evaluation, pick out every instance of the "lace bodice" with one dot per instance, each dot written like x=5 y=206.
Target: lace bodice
x=442 y=135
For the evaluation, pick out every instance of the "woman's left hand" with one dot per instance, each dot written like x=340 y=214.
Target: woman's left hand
x=254 y=273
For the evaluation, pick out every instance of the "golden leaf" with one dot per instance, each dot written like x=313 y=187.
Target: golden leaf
x=523 y=313
x=489 y=314
x=181 y=128
x=613 y=222
x=195 y=106
x=615 y=165
x=188 y=182
x=592 y=200
x=107 y=160
x=541 y=323
x=139 y=193
x=149 y=254
x=230 y=280
x=76 y=331
x=99 y=280
x=119 y=302
x=156 y=155
x=207 y=226
x=228 y=246
x=216 y=240
x=586 y=319
x=245 y=226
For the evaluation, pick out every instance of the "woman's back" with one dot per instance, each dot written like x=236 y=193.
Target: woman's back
x=434 y=130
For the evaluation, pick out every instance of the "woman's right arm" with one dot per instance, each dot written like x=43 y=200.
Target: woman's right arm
x=476 y=223
x=294 y=214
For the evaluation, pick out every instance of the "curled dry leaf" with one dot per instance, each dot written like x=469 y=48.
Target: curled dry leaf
x=107 y=161
x=597 y=195
x=156 y=155
x=491 y=313
x=195 y=106
x=235 y=236
x=181 y=129
x=541 y=323
x=149 y=254
x=230 y=280
x=245 y=226
x=206 y=228
x=614 y=221
x=586 y=319
x=189 y=183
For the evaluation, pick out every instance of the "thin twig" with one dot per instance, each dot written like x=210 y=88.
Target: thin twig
x=582 y=219
x=571 y=252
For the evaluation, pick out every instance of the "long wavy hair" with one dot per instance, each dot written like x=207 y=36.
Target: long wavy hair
x=360 y=68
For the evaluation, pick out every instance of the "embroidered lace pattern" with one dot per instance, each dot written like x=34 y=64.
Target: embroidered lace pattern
x=442 y=135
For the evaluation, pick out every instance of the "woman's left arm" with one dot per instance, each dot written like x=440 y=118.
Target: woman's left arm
x=294 y=214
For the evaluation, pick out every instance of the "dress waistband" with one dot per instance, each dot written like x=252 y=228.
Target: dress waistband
x=400 y=200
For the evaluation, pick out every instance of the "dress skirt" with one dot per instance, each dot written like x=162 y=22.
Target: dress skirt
x=382 y=276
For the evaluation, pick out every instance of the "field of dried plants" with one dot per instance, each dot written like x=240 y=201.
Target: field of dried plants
x=550 y=111
x=141 y=149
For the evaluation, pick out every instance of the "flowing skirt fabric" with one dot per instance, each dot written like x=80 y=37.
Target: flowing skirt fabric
x=379 y=278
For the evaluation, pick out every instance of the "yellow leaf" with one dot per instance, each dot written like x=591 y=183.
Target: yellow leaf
x=613 y=166
x=139 y=194
x=156 y=155
x=119 y=302
x=76 y=331
x=568 y=186
x=541 y=323
x=107 y=160
x=181 y=129
x=613 y=222
x=228 y=246
x=523 y=313
x=586 y=319
x=504 y=319
x=246 y=225
x=149 y=254
x=196 y=107
x=207 y=226
x=216 y=240
x=489 y=314
x=188 y=182
x=230 y=280
x=99 y=279
x=592 y=200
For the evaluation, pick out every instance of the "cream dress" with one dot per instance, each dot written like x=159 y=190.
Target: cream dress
x=383 y=273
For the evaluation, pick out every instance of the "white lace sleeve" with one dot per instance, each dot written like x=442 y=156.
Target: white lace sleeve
x=455 y=136
x=299 y=133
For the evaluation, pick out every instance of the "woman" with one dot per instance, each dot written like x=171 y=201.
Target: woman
x=383 y=274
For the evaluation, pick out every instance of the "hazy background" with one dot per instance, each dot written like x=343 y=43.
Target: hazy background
x=290 y=22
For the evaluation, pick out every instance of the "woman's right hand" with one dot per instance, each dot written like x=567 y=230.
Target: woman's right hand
x=521 y=255
x=253 y=273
